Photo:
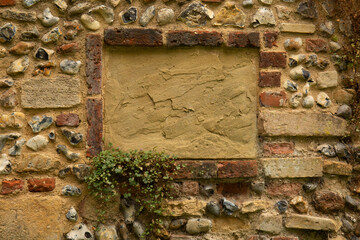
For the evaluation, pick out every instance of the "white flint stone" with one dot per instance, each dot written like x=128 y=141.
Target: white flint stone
x=147 y=16
x=89 y=22
x=80 y=232
x=47 y=19
x=323 y=100
x=165 y=16
x=37 y=143
x=5 y=164
x=263 y=16
x=308 y=102
x=295 y=100
x=106 y=12
x=19 y=66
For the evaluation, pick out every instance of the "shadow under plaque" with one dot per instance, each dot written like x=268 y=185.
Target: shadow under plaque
x=192 y=102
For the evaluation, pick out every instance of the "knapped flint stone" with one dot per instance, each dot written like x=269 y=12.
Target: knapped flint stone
x=36 y=163
x=323 y=64
x=282 y=206
x=47 y=19
x=5 y=165
x=80 y=232
x=18 y=66
x=64 y=172
x=327 y=150
x=6 y=82
x=7 y=137
x=89 y=22
x=147 y=16
x=70 y=67
x=198 y=225
x=72 y=215
x=165 y=16
x=228 y=207
x=62 y=149
x=295 y=100
x=30 y=35
x=207 y=190
x=327 y=28
x=177 y=223
x=323 y=100
x=37 y=143
x=52 y=36
x=309 y=187
x=7 y=32
x=30 y=3
x=283 y=13
x=299 y=73
x=306 y=89
x=327 y=202
x=61 y=5
x=342 y=151
x=290 y=86
x=294 y=60
x=344 y=111
x=12 y=120
x=230 y=15
x=44 y=54
x=81 y=171
x=267 y=2
x=352 y=203
x=106 y=12
x=114 y=3
x=72 y=29
x=73 y=137
x=16 y=149
x=79 y=8
x=38 y=124
x=3 y=52
x=307 y=9
x=50 y=93
x=312 y=61
x=346 y=226
x=263 y=16
x=106 y=232
x=19 y=16
x=129 y=15
x=71 y=191
x=52 y=136
x=213 y=208
x=196 y=14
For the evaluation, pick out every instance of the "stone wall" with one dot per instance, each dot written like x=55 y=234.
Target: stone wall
x=299 y=180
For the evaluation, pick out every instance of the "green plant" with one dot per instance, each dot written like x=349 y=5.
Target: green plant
x=144 y=176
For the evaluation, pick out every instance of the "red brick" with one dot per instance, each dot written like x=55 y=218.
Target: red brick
x=190 y=38
x=278 y=148
x=238 y=188
x=269 y=79
x=190 y=188
x=68 y=48
x=41 y=184
x=93 y=63
x=270 y=39
x=7 y=2
x=284 y=238
x=240 y=39
x=133 y=37
x=196 y=169
x=95 y=126
x=316 y=45
x=11 y=186
x=238 y=169
x=272 y=99
x=67 y=120
x=284 y=189
x=273 y=59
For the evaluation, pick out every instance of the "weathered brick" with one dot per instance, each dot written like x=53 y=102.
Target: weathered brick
x=93 y=63
x=240 y=39
x=312 y=223
x=67 y=120
x=190 y=188
x=228 y=189
x=316 y=45
x=337 y=168
x=273 y=59
x=196 y=169
x=68 y=48
x=278 y=148
x=292 y=167
x=41 y=184
x=133 y=37
x=269 y=79
x=272 y=99
x=285 y=189
x=7 y=3
x=327 y=202
x=11 y=186
x=190 y=38
x=297 y=28
x=237 y=169
x=270 y=39
x=95 y=126
x=301 y=124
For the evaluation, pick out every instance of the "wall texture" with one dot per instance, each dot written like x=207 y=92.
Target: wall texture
x=62 y=60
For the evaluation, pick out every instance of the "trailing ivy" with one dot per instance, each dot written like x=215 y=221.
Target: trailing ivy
x=144 y=176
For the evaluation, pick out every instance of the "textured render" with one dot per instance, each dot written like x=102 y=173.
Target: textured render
x=194 y=103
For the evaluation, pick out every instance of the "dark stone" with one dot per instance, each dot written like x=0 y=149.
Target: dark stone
x=312 y=61
x=207 y=190
x=177 y=224
x=195 y=15
x=133 y=37
x=342 y=151
x=282 y=206
x=352 y=203
x=228 y=207
x=346 y=226
x=73 y=137
x=7 y=32
x=81 y=171
x=52 y=136
x=129 y=16
x=31 y=35
x=70 y=190
x=37 y=125
x=213 y=208
x=19 y=16
x=189 y=38
x=64 y=172
x=41 y=53
x=308 y=9
x=323 y=64
x=340 y=63
x=344 y=111
x=309 y=187
x=328 y=202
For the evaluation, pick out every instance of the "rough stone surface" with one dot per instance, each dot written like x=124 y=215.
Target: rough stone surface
x=16 y=149
x=106 y=232
x=196 y=14
x=270 y=223
x=18 y=66
x=12 y=120
x=311 y=223
x=186 y=207
x=307 y=9
x=198 y=225
x=301 y=124
x=37 y=143
x=50 y=93
x=327 y=201
x=38 y=124
x=197 y=169
x=327 y=79
x=300 y=204
x=337 y=168
x=147 y=16
x=278 y=148
x=230 y=15
x=263 y=16
x=292 y=168
x=253 y=206
x=297 y=28
x=36 y=163
x=71 y=191
x=5 y=165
